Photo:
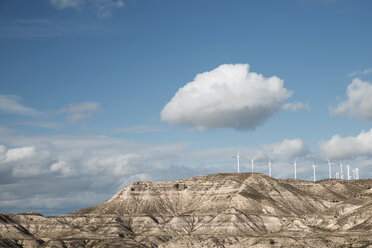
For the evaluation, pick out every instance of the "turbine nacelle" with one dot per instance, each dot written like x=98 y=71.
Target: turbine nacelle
x=252 y=165
x=330 y=168
x=238 y=160
x=269 y=167
x=314 y=170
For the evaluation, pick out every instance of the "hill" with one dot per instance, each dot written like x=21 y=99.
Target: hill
x=220 y=210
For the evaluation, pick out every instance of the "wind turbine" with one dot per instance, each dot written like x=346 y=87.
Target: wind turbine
x=252 y=165
x=337 y=175
x=295 y=169
x=354 y=175
x=348 y=171
x=357 y=173
x=238 y=160
x=269 y=167
x=314 y=172
x=341 y=174
x=330 y=169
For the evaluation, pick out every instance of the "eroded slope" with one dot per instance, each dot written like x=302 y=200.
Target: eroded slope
x=231 y=210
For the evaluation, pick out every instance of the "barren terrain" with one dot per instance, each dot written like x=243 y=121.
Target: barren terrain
x=220 y=210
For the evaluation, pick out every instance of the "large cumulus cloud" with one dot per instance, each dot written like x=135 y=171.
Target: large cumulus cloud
x=229 y=96
x=285 y=150
x=348 y=147
x=358 y=102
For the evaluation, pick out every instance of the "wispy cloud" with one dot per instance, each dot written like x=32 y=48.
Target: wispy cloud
x=360 y=72
x=296 y=106
x=80 y=111
x=103 y=8
x=11 y=104
x=75 y=112
x=62 y=4
x=33 y=28
x=106 y=7
x=138 y=129
x=41 y=28
x=43 y=124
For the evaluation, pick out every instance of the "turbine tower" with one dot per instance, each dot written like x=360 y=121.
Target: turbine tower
x=357 y=173
x=252 y=165
x=341 y=174
x=348 y=171
x=330 y=169
x=314 y=172
x=238 y=161
x=295 y=169
x=354 y=174
x=269 y=167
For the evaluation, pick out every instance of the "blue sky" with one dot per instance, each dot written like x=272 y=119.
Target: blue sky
x=83 y=84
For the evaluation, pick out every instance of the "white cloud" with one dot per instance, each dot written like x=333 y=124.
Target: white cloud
x=296 y=106
x=118 y=164
x=21 y=162
x=229 y=96
x=359 y=101
x=80 y=111
x=2 y=152
x=104 y=8
x=285 y=150
x=17 y=154
x=360 y=73
x=65 y=169
x=348 y=147
x=10 y=104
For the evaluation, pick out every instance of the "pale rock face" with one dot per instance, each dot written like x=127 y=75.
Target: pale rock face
x=221 y=210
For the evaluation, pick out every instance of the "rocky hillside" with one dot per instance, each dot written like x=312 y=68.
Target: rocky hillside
x=221 y=210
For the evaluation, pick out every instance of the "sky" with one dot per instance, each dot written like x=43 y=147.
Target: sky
x=97 y=94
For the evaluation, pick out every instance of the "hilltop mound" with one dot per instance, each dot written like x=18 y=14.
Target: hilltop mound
x=226 y=210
